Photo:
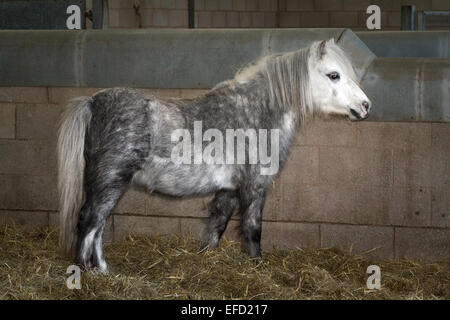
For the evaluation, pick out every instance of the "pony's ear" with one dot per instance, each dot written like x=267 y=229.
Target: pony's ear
x=341 y=36
x=321 y=49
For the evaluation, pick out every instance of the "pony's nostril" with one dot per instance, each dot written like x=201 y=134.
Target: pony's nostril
x=366 y=105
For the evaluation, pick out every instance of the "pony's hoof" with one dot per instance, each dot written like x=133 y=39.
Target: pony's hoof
x=204 y=247
x=84 y=264
x=101 y=271
x=209 y=243
x=256 y=257
x=256 y=260
x=254 y=251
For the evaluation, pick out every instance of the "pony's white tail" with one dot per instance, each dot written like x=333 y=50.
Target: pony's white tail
x=71 y=166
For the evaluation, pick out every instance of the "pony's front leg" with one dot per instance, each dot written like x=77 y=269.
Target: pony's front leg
x=251 y=206
x=220 y=209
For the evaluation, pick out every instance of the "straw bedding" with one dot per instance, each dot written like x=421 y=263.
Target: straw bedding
x=171 y=267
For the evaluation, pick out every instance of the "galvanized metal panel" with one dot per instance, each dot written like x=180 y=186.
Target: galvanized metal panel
x=392 y=85
x=145 y=58
x=36 y=58
x=435 y=90
x=407 y=44
x=401 y=89
x=183 y=58
x=409 y=89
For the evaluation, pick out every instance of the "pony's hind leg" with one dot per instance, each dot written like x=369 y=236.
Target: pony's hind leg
x=101 y=198
x=117 y=143
x=220 y=209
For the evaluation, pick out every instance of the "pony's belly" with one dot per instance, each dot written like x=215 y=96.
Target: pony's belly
x=182 y=179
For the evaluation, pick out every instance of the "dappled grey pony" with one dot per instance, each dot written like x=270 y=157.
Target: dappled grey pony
x=119 y=138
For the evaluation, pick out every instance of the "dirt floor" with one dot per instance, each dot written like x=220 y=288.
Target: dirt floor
x=171 y=267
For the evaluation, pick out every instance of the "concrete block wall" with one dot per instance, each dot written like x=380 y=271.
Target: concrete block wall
x=381 y=188
x=262 y=13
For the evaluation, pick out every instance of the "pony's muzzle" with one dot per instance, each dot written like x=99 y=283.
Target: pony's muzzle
x=364 y=111
x=366 y=106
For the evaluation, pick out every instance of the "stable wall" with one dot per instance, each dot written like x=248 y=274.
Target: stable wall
x=262 y=13
x=378 y=187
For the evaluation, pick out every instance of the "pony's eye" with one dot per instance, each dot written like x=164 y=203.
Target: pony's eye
x=334 y=76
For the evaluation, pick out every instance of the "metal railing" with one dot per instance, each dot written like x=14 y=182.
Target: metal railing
x=433 y=20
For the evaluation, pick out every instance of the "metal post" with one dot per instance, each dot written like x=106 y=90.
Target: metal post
x=99 y=14
x=420 y=20
x=407 y=18
x=191 y=13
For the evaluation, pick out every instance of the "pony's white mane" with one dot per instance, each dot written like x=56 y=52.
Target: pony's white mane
x=288 y=75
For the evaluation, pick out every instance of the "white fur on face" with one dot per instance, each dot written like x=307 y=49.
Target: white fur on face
x=334 y=97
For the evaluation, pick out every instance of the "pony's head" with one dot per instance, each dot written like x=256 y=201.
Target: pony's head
x=333 y=82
